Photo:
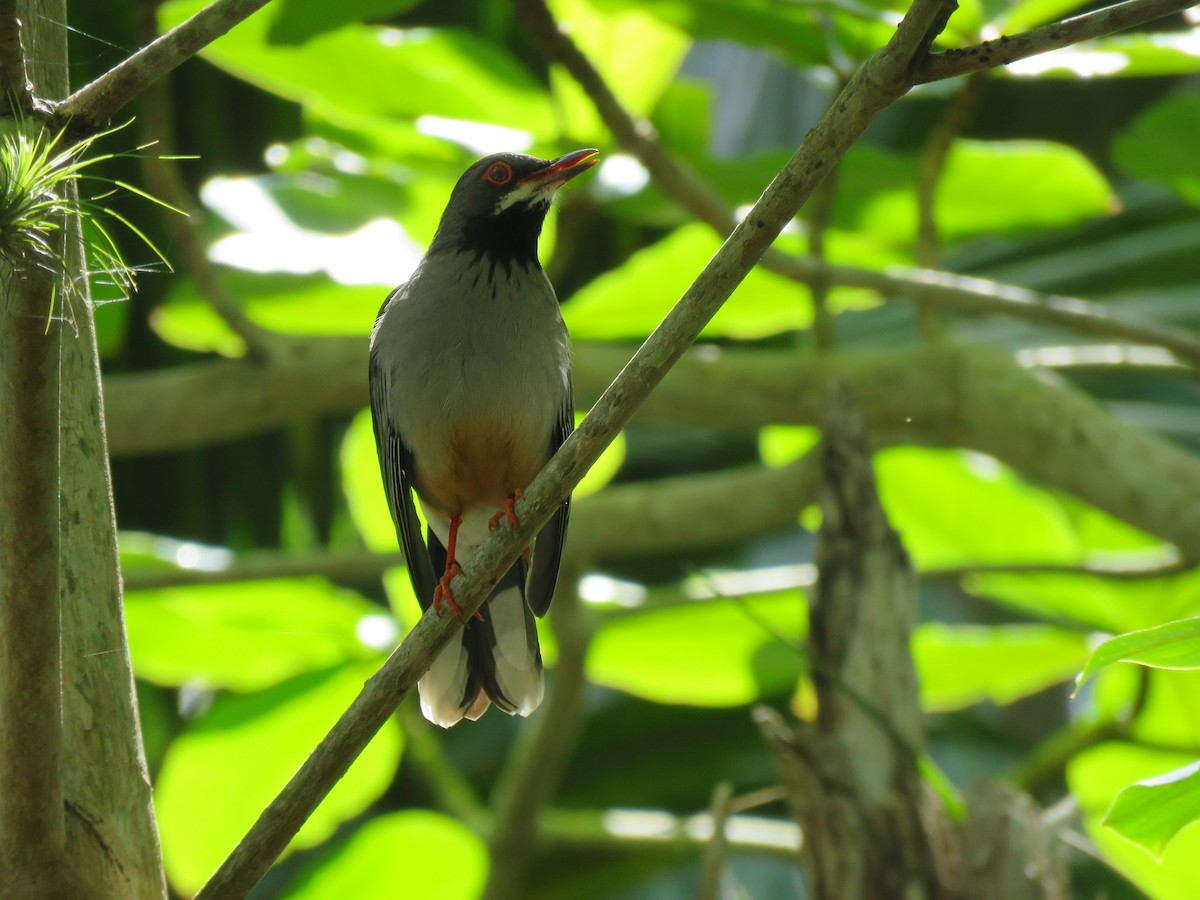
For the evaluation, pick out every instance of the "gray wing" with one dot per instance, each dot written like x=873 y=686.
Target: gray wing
x=547 y=552
x=396 y=461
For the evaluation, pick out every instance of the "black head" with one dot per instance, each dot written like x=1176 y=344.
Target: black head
x=497 y=208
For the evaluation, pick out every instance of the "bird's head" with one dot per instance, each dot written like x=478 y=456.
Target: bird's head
x=497 y=207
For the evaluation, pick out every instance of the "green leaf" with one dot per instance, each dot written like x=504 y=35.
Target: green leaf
x=779 y=445
x=706 y=653
x=360 y=69
x=959 y=666
x=430 y=854
x=1160 y=145
x=246 y=635
x=1175 y=645
x=284 y=303
x=1025 y=14
x=629 y=302
x=1111 y=604
x=930 y=494
x=636 y=55
x=230 y=763
x=1152 y=812
x=1096 y=776
x=997 y=186
x=295 y=21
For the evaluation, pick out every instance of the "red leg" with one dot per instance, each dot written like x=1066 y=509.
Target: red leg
x=443 y=593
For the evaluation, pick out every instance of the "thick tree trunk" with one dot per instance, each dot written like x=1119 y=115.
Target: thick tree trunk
x=76 y=728
x=872 y=829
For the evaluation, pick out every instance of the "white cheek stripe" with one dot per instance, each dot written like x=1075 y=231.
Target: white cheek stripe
x=525 y=193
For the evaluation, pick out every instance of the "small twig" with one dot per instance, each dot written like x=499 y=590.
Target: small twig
x=1009 y=49
x=95 y=103
x=712 y=864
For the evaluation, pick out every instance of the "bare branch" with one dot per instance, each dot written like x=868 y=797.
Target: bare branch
x=95 y=103
x=15 y=85
x=1009 y=49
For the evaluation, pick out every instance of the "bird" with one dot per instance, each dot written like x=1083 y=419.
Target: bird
x=470 y=384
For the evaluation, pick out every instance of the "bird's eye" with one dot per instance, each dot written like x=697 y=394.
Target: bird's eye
x=499 y=173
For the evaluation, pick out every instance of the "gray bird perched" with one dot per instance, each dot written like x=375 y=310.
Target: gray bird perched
x=470 y=396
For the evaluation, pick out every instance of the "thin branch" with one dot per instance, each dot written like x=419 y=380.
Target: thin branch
x=712 y=864
x=97 y=102
x=687 y=188
x=1009 y=49
x=881 y=80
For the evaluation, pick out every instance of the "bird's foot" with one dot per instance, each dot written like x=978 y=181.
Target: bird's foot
x=508 y=512
x=443 y=593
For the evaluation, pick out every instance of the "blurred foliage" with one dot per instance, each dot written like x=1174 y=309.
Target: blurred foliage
x=329 y=136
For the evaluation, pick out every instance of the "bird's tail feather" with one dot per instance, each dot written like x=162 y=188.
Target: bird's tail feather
x=496 y=659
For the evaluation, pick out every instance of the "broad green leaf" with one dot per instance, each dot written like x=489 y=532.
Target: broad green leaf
x=1115 y=605
x=1096 y=776
x=636 y=54
x=1170 y=712
x=284 y=303
x=231 y=762
x=629 y=302
x=706 y=653
x=246 y=635
x=1160 y=145
x=1175 y=645
x=360 y=69
x=428 y=854
x=994 y=187
x=931 y=496
x=1152 y=812
x=295 y=21
x=779 y=445
x=958 y=666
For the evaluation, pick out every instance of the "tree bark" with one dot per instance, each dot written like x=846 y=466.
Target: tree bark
x=102 y=801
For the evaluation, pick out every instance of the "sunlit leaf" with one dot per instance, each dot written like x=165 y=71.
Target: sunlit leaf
x=1175 y=645
x=779 y=445
x=230 y=763
x=1160 y=145
x=629 y=302
x=381 y=71
x=244 y=635
x=283 y=303
x=994 y=186
x=1096 y=776
x=1136 y=55
x=929 y=495
x=1152 y=812
x=958 y=666
x=1115 y=605
x=295 y=21
x=636 y=54
x=710 y=653
x=430 y=854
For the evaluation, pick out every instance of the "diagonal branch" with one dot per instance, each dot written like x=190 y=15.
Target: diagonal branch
x=95 y=103
x=679 y=181
x=1055 y=36
x=884 y=78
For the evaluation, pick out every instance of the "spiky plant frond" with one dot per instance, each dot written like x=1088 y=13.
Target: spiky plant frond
x=44 y=179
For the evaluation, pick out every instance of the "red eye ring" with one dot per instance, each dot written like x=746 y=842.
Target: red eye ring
x=498 y=173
